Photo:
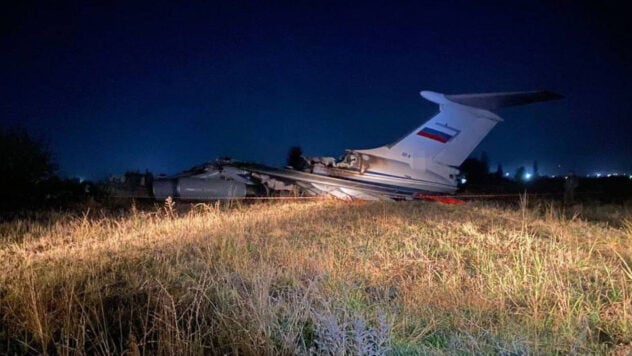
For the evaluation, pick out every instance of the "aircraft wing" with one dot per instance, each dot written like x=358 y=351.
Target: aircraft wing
x=316 y=184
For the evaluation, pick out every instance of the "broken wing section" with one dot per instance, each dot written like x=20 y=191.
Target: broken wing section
x=308 y=184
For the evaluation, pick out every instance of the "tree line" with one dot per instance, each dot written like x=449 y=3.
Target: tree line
x=29 y=176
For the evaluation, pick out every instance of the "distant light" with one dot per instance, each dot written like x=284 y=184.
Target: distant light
x=552 y=176
x=630 y=177
x=598 y=175
x=506 y=174
x=463 y=180
x=527 y=176
x=609 y=175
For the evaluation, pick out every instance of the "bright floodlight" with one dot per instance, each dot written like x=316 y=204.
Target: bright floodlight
x=527 y=176
x=463 y=180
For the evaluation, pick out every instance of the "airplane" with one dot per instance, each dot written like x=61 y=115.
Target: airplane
x=423 y=162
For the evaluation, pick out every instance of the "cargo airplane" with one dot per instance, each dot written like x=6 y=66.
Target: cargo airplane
x=423 y=162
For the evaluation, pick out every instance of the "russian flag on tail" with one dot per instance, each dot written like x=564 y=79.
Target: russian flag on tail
x=436 y=135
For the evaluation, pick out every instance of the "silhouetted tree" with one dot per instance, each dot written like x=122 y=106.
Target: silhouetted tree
x=295 y=158
x=474 y=170
x=24 y=163
x=536 y=171
x=499 y=171
x=520 y=174
x=485 y=162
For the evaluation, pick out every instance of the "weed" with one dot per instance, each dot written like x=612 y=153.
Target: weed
x=320 y=277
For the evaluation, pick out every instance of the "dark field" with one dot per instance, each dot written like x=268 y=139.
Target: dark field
x=320 y=277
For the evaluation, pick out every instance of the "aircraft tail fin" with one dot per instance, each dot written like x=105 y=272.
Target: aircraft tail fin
x=493 y=101
x=464 y=120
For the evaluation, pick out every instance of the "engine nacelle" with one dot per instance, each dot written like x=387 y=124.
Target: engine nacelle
x=198 y=189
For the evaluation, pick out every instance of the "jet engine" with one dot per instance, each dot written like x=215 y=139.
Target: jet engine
x=191 y=188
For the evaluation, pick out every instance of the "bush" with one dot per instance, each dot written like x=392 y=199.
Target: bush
x=25 y=164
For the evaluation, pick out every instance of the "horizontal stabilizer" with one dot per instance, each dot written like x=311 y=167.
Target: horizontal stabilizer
x=493 y=101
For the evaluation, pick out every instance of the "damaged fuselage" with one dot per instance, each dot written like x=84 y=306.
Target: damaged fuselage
x=423 y=162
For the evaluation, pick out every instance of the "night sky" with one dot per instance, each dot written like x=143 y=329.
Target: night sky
x=164 y=86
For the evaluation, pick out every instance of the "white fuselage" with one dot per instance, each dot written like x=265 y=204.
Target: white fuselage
x=370 y=168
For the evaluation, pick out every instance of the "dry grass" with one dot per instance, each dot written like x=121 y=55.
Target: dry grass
x=319 y=277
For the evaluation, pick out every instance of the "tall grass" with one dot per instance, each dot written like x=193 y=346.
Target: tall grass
x=318 y=277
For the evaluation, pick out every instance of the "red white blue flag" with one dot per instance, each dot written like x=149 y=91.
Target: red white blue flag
x=436 y=135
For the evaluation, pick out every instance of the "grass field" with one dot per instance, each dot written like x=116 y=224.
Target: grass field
x=324 y=277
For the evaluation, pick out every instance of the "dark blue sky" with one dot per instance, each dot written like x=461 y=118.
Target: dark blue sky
x=133 y=85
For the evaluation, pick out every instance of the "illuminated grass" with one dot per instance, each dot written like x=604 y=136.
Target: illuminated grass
x=320 y=276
